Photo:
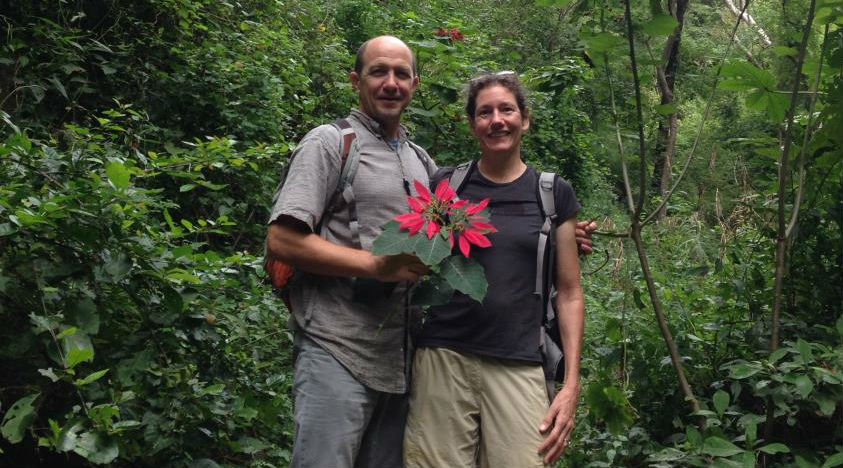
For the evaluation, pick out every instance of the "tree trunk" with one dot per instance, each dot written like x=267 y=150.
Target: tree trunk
x=666 y=75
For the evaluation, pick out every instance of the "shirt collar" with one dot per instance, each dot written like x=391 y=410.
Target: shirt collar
x=376 y=128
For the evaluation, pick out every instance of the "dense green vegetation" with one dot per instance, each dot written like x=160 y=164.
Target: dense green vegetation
x=140 y=144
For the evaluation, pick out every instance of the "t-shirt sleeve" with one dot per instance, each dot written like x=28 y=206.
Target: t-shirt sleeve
x=312 y=177
x=566 y=201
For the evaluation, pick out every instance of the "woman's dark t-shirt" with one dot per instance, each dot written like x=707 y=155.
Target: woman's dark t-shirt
x=507 y=323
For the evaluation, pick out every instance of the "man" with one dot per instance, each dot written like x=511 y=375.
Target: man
x=352 y=359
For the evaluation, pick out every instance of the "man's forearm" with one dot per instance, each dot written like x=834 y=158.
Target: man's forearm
x=309 y=252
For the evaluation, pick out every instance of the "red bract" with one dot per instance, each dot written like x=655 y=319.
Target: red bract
x=474 y=209
x=411 y=221
x=445 y=214
x=444 y=192
x=424 y=193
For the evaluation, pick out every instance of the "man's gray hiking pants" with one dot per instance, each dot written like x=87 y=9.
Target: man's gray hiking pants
x=341 y=423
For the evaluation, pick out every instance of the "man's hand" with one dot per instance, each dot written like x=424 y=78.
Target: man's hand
x=558 y=424
x=583 y=234
x=402 y=267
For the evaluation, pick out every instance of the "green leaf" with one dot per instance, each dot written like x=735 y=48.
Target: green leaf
x=744 y=370
x=783 y=51
x=720 y=447
x=117 y=174
x=774 y=448
x=804 y=385
x=392 y=241
x=84 y=314
x=91 y=378
x=466 y=276
x=777 y=354
x=748 y=73
x=18 y=418
x=214 y=389
x=601 y=42
x=77 y=355
x=693 y=436
x=660 y=25
x=117 y=266
x=833 y=460
x=66 y=332
x=433 y=291
x=826 y=403
x=666 y=109
x=774 y=103
x=805 y=351
x=431 y=251
x=59 y=87
x=721 y=401
x=552 y=3
x=96 y=448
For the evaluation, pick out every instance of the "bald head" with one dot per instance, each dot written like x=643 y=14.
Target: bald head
x=360 y=59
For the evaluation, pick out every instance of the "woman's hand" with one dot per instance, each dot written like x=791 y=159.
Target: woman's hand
x=558 y=423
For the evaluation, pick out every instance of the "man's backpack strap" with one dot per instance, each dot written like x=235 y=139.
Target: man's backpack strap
x=425 y=158
x=349 y=159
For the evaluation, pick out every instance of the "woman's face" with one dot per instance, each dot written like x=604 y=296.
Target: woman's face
x=498 y=123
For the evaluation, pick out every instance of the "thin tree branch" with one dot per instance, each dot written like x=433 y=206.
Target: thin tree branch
x=781 y=242
x=747 y=18
x=642 y=178
x=706 y=113
x=806 y=139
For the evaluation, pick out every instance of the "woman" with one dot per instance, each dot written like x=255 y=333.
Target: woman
x=478 y=396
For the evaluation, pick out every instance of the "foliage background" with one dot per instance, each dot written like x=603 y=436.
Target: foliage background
x=141 y=143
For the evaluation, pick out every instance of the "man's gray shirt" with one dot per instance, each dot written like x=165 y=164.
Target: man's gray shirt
x=367 y=339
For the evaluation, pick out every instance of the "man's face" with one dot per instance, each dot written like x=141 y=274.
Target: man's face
x=387 y=82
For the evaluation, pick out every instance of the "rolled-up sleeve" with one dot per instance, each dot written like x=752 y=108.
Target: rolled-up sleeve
x=311 y=179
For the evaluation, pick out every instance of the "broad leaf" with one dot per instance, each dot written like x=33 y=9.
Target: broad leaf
x=720 y=447
x=833 y=460
x=96 y=448
x=91 y=378
x=774 y=103
x=431 y=251
x=117 y=174
x=602 y=42
x=660 y=25
x=805 y=352
x=434 y=291
x=804 y=385
x=76 y=355
x=393 y=241
x=774 y=448
x=744 y=370
x=748 y=73
x=465 y=276
x=721 y=401
x=18 y=418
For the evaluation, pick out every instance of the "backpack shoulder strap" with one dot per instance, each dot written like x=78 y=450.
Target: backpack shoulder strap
x=546 y=241
x=425 y=158
x=459 y=177
x=348 y=167
x=349 y=159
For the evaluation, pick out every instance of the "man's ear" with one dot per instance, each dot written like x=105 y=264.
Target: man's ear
x=416 y=82
x=525 y=123
x=354 y=78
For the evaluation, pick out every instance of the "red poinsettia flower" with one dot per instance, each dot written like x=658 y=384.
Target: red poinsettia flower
x=442 y=212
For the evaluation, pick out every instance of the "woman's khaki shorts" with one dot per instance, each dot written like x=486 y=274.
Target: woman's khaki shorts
x=468 y=410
